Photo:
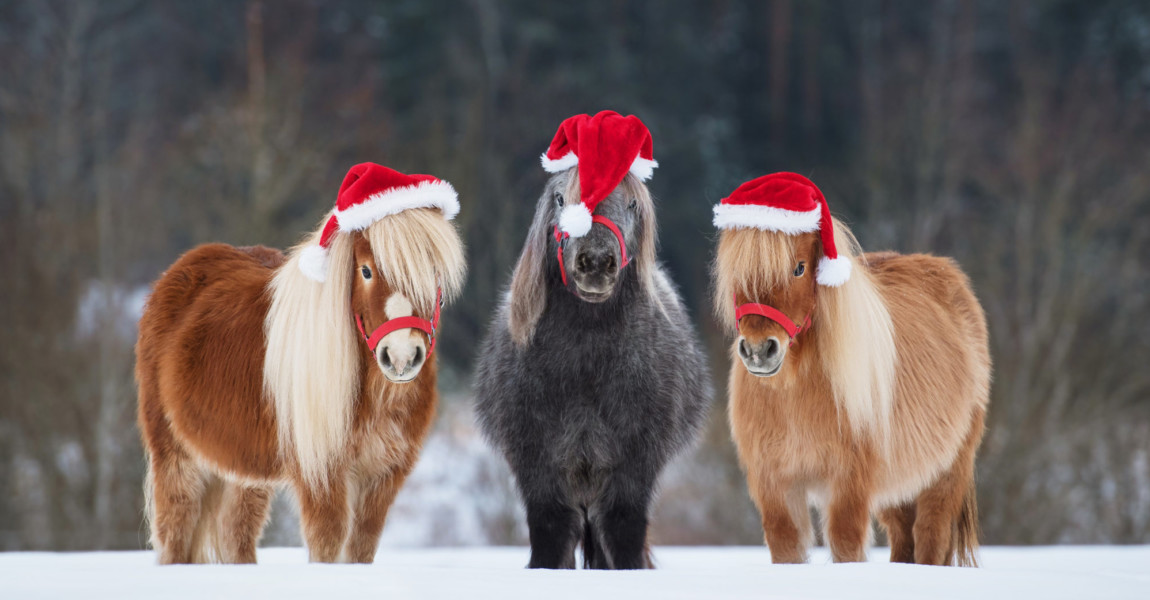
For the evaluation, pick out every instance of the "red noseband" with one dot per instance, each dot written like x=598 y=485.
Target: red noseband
x=398 y=323
x=561 y=239
x=772 y=313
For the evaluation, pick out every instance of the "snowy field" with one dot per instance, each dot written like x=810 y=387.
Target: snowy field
x=1110 y=572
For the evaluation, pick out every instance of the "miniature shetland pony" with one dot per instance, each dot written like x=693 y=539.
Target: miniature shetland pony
x=252 y=375
x=591 y=379
x=865 y=397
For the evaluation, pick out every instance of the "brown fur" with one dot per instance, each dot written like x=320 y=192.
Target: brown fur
x=211 y=433
x=913 y=465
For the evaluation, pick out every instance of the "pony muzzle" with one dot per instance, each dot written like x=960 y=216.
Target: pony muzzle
x=596 y=272
x=401 y=355
x=599 y=257
x=762 y=358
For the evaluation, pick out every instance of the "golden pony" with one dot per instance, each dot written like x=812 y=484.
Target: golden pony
x=252 y=374
x=864 y=396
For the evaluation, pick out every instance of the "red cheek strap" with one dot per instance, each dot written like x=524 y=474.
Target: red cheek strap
x=411 y=322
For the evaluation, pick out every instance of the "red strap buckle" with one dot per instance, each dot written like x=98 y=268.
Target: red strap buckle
x=411 y=322
x=562 y=236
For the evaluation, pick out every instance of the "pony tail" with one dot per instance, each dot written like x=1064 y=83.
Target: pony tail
x=852 y=317
x=964 y=541
x=311 y=369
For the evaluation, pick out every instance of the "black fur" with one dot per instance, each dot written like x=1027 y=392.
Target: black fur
x=593 y=407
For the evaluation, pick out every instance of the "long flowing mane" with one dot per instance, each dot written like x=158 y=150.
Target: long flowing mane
x=527 y=294
x=852 y=324
x=312 y=366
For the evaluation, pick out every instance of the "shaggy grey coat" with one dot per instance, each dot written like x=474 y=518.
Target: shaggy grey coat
x=593 y=398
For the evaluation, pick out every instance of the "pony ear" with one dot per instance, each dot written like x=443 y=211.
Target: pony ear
x=528 y=294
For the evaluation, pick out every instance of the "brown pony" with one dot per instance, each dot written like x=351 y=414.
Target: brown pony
x=251 y=375
x=876 y=406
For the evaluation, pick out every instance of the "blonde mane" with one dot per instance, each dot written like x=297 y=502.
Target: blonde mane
x=311 y=364
x=853 y=327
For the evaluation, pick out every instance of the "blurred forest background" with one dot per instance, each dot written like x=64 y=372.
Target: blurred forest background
x=1010 y=134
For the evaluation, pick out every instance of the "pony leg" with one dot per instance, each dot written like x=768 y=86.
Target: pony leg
x=624 y=535
x=946 y=529
x=553 y=521
x=899 y=524
x=243 y=514
x=177 y=488
x=324 y=516
x=786 y=522
x=848 y=518
x=553 y=527
x=370 y=515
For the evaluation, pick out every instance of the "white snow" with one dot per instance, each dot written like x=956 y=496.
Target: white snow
x=1112 y=572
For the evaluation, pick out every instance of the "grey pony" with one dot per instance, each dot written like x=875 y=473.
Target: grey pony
x=590 y=388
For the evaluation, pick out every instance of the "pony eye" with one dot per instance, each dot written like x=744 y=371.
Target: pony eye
x=633 y=204
x=365 y=271
x=802 y=268
x=558 y=199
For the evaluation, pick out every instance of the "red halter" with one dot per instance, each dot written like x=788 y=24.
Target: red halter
x=398 y=323
x=561 y=239
x=772 y=313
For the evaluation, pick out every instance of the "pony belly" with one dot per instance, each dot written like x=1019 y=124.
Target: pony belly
x=251 y=462
x=245 y=477
x=233 y=434
x=914 y=464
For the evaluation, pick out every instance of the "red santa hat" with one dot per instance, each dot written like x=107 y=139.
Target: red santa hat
x=788 y=203
x=605 y=147
x=369 y=193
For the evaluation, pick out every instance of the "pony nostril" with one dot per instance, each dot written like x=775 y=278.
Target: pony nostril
x=772 y=349
x=610 y=264
x=385 y=358
x=418 y=360
x=744 y=351
x=582 y=263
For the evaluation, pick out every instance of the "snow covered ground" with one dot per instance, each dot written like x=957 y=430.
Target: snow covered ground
x=1110 y=572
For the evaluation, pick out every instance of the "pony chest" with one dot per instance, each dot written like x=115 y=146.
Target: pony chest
x=382 y=446
x=784 y=430
x=389 y=433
